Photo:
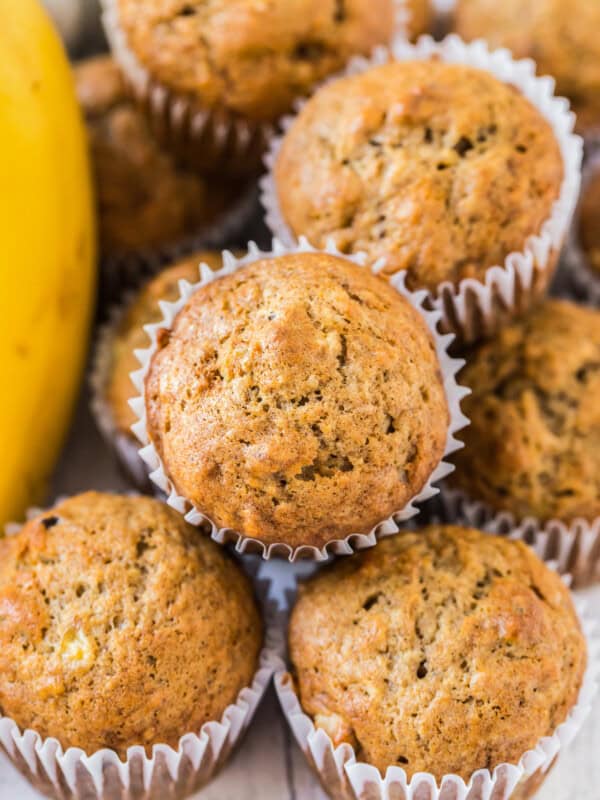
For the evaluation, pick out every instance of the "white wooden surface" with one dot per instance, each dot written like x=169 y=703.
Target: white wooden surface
x=269 y=766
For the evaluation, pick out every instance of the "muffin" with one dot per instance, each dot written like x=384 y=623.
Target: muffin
x=237 y=62
x=440 y=168
x=146 y=203
x=560 y=37
x=589 y=222
x=442 y=651
x=297 y=400
x=419 y=17
x=533 y=445
x=120 y=626
x=130 y=334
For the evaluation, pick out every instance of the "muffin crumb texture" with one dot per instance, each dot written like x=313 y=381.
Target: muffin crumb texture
x=440 y=168
x=533 y=445
x=444 y=651
x=247 y=58
x=120 y=625
x=297 y=400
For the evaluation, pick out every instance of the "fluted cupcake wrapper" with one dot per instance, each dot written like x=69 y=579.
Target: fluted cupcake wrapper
x=344 y=777
x=175 y=773
x=574 y=547
x=214 y=140
x=356 y=541
x=123 y=445
x=124 y=271
x=474 y=308
x=581 y=277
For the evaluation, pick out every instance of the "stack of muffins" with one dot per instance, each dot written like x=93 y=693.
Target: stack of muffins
x=303 y=401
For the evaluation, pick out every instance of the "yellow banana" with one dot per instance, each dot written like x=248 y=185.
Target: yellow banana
x=47 y=252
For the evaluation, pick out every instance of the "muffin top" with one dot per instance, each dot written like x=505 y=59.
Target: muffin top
x=249 y=57
x=533 y=445
x=589 y=222
x=441 y=168
x=131 y=336
x=561 y=37
x=444 y=651
x=419 y=17
x=297 y=400
x=120 y=625
x=144 y=199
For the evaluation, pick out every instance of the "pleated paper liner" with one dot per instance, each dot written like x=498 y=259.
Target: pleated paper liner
x=123 y=445
x=344 y=777
x=477 y=308
x=215 y=140
x=174 y=773
x=454 y=394
x=574 y=546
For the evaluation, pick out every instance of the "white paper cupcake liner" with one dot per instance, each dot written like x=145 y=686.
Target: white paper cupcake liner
x=174 y=773
x=474 y=309
x=454 y=393
x=346 y=778
x=584 y=281
x=209 y=139
x=123 y=445
x=574 y=547
x=126 y=270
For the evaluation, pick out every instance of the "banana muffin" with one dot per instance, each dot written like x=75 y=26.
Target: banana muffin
x=246 y=58
x=120 y=626
x=440 y=168
x=443 y=651
x=562 y=38
x=533 y=445
x=145 y=201
x=589 y=222
x=297 y=400
x=131 y=336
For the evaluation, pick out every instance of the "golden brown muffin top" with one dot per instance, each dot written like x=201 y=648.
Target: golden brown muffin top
x=120 y=625
x=445 y=651
x=533 y=445
x=561 y=37
x=589 y=222
x=131 y=336
x=144 y=199
x=297 y=400
x=251 y=57
x=441 y=168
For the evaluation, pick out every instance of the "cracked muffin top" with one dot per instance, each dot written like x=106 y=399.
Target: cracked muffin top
x=131 y=336
x=144 y=200
x=249 y=57
x=297 y=400
x=589 y=222
x=533 y=445
x=562 y=38
x=120 y=625
x=445 y=651
x=440 y=168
